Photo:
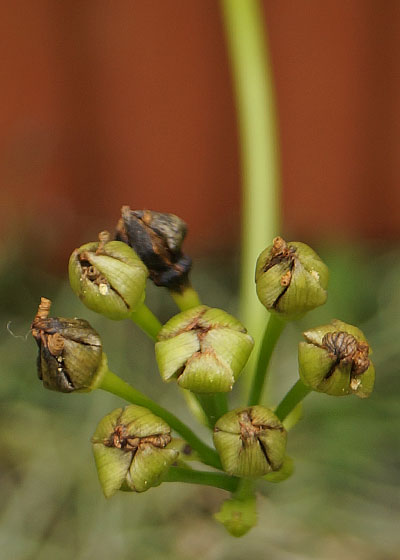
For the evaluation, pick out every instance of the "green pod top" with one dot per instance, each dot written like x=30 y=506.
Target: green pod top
x=203 y=349
x=291 y=279
x=108 y=277
x=130 y=450
x=251 y=441
x=238 y=515
x=334 y=359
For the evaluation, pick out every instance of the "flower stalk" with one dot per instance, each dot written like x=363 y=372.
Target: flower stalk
x=293 y=397
x=214 y=406
x=186 y=299
x=272 y=332
x=191 y=476
x=259 y=152
x=144 y=318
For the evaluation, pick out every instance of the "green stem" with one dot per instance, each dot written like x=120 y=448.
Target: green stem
x=245 y=489
x=147 y=321
x=195 y=407
x=271 y=336
x=214 y=405
x=186 y=299
x=247 y=46
x=219 y=480
x=114 y=384
x=296 y=394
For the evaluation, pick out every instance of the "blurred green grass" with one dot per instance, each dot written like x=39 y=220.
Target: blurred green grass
x=343 y=500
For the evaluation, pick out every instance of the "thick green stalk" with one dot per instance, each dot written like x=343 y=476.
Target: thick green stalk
x=214 y=406
x=147 y=321
x=245 y=489
x=219 y=480
x=296 y=394
x=187 y=299
x=114 y=384
x=195 y=407
x=247 y=46
x=272 y=333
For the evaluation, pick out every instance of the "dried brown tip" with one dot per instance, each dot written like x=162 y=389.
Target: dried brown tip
x=279 y=247
x=360 y=359
x=285 y=279
x=55 y=344
x=121 y=439
x=42 y=313
x=280 y=252
x=43 y=309
x=104 y=237
x=120 y=231
x=347 y=349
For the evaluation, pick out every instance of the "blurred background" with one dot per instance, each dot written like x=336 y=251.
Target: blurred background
x=111 y=103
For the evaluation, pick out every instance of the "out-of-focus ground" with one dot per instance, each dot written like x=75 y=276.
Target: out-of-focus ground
x=343 y=500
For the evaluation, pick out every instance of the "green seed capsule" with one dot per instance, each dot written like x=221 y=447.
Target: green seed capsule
x=238 y=515
x=70 y=352
x=291 y=279
x=108 y=277
x=284 y=472
x=130 y=450
x=251 y=441
x=203 y=349
x=335 y=360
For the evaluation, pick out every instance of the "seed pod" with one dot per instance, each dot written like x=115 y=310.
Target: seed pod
x=185 y=451
x=291 y=279
x=251 y=441
x=130 y=450
x=70 y=352
x=284 y=472
x=108 y=277
x=157 y=239
x=203 y=349
x=238 y=515
x=335 y=360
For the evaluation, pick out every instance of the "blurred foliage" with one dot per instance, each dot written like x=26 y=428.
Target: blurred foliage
x=342 y=502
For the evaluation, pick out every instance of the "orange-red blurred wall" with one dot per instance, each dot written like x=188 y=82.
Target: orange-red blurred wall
x=108 y=103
